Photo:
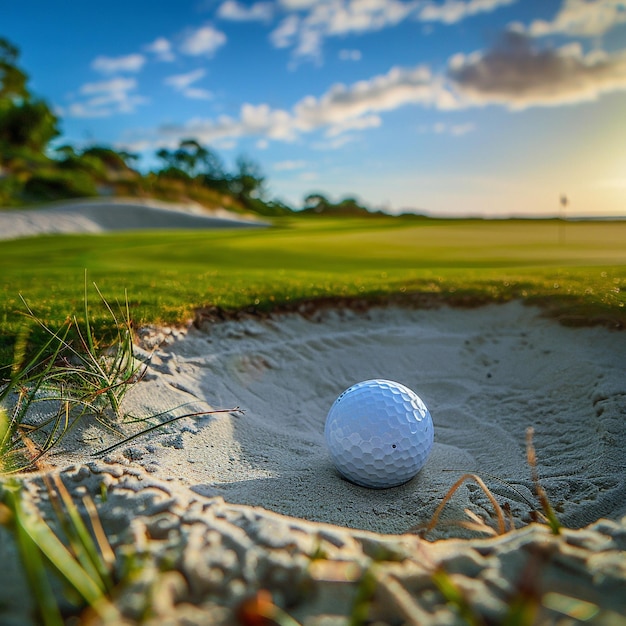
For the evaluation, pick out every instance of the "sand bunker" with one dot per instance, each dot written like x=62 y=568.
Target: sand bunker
x=111 y=214
x=486 y=374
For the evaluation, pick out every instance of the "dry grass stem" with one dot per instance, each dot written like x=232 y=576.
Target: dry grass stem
x=531 y=457
x=497 y=508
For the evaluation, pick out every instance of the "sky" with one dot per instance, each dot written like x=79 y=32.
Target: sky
x=449 y=107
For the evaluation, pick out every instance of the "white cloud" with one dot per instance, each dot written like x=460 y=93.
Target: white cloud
x=309 y=22
x=225 y=144
x=297 y=5
x=203 y=41
x=285 y=33
x=238 y=12
x=106 y=98
x=453 y=11
x=196 y=93
x=138 y=146
x=513 y=74
x=458 y=130
x=518 y=76
x=80 y=110
x=182 y=83
x=586 y=18
x=309 y=44
x=114 y=65
x=283 y=166
x=161 y=48
x=342 y=18
x=398 y=87
x=204 y=130
x=327 y=18
x=349 y=55
x=357 y=123
x=254 y=120
x=115 y=85
x=334 y=144
x=261 y=119
x=340 y=110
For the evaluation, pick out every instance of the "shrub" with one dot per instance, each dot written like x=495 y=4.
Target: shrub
x=10 y=188
x=57 y=185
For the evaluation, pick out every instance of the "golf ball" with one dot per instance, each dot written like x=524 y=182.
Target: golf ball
x=379 y=433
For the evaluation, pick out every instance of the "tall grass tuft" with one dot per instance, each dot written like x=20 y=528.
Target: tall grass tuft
x=52 y=388
x=68 y=378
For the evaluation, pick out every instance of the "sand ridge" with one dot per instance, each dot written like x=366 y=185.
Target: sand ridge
x=203 y=558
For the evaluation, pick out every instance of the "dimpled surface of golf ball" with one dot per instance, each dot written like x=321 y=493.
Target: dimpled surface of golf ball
x=379 y=433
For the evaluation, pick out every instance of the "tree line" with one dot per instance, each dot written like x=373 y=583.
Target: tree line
x=33 y=170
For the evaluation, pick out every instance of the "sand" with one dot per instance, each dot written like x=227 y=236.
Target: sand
x=240 y=503
x=203 y=560
x=486 y=374
x=101 y=215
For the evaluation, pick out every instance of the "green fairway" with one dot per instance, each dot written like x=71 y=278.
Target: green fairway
x=578 y=268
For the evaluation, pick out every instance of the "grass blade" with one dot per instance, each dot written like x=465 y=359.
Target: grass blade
x=553 y=521
x=499 y=514
x=59 y=556
x=160 y=425
x=91 y=346
x=34 y=568
x=83 y=545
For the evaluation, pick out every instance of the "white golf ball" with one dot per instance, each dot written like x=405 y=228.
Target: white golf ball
x=379 y=433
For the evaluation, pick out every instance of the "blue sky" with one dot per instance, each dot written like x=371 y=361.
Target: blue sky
x=451 y=107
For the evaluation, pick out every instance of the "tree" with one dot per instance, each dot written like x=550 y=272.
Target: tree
x=191 y=155
x=194 y=160
x=130 y=158
x=350 y=206
x=316 y=203
x=12 y=79
x=213 y=173
x=66 y=151
x=117 y=161
x=319 y=204
x=248 y=182
x=25 y=122
x=30 y=124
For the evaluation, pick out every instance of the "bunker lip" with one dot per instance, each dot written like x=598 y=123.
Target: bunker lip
x=558 y=308
x=212 y=562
